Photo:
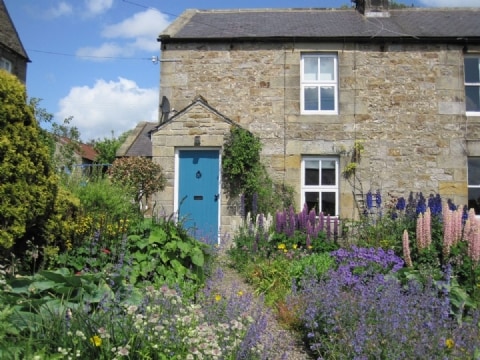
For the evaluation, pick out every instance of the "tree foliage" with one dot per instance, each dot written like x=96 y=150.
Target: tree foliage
x=107 y=148
x=28 y=183
x=140 y=175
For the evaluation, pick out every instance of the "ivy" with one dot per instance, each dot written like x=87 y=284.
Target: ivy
x=244 y=174
x=241 y=160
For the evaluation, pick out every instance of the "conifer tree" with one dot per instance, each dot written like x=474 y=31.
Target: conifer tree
x=27 y=180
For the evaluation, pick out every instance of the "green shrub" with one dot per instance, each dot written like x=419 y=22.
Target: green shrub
x=28 y=183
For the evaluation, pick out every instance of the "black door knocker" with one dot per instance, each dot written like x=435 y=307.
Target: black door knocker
x=198 y=174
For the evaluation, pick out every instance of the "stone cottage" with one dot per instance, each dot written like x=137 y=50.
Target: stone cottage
x=13 y=57
x=344 y=101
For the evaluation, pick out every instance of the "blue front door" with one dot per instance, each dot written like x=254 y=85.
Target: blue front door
x=198 y=193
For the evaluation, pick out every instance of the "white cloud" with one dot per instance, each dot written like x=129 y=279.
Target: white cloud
x=61 y=9
x=137 y=33
x=95 y=7
x=108 y=105
x=450 y=3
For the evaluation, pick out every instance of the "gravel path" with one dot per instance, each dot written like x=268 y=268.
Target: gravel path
x=285 y=344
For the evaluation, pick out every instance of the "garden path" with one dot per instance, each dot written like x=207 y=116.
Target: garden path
x=286 y=344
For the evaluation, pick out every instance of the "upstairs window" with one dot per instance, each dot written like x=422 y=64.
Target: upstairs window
x=319 y=84
x=472 y=84
x=5 y=64
x=320 y=184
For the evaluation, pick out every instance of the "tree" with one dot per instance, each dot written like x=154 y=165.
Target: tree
x=140 y=175
x=28 y=184
x=107 y=148
x=396 y=5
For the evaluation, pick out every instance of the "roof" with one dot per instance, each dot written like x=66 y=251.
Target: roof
x=8 y=34
x=87 y=152
x=84 y=150
x=327 y=24
x=138 y=143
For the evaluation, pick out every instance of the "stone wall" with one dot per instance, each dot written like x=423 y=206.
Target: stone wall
x=211 y=130
x=19 y=64
x=405 y=102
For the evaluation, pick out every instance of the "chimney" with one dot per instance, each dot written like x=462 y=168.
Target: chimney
x=372 y=8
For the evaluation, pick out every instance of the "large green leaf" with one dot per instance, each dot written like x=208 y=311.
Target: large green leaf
x=140 y=257
x=102 y=291
x=38 y=286
x=53 y=276
x=157 y=235
x=185 y=248
x=75 y=281
x=197 y=256
x=178 y=267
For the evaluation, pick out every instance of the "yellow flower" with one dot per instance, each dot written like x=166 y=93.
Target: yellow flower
x=281 y=246
x=96 y=340
x=218 y=297
x=240 y=293
x=295 y=246
x=449 y=343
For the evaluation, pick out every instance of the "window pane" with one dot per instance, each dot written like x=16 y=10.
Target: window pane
x=327 y=68
x=328 y=203
x=474 y=171
x=472 y=94
x=311 y=199
x=474 y=199
x=311 y=98
x=310 y=68
x=328 y=172
x=311 y=172
x=472 y=70
x=5 y=64
x=327 y=98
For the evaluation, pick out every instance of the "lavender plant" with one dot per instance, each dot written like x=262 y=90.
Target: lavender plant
x=371 y=315
x=306 y=229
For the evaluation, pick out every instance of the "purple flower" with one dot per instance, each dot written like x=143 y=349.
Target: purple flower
x=369 y=200
x=401 y=203
x=378 y=198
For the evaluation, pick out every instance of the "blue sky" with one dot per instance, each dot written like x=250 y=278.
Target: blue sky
x=91 y=59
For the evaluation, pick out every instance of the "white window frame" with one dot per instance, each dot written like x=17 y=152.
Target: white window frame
x=319 y=84
x=5 y=64
x=477 y=84
x=321 y=188
x=472 y=185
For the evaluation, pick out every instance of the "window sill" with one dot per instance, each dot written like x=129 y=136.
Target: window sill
x=324 y=113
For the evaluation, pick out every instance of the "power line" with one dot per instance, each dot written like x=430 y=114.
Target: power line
x=90 y=56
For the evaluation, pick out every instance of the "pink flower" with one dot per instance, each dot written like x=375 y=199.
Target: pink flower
x=406 y=249
x=448 y=228
x=420 y=234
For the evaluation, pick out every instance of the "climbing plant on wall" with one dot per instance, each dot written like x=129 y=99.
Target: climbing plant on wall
x=244 y=174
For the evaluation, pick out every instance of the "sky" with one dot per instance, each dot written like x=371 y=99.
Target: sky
x=91 y=60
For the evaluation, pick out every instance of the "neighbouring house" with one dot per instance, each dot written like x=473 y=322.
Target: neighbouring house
x=72 y=157
x=317 y=86
x=139 y=144
x=13 y=57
